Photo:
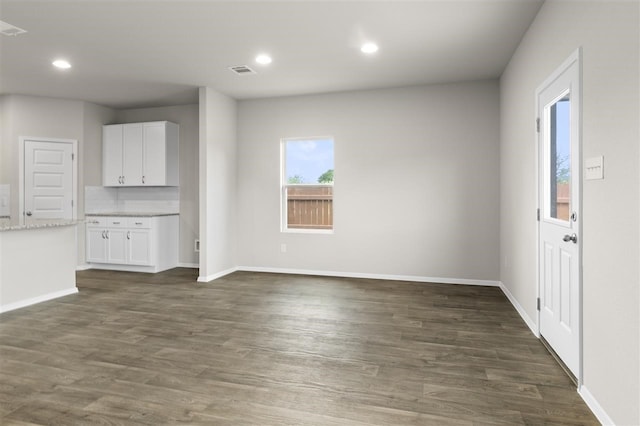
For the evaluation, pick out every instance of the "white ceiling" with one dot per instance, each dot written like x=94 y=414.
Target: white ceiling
x=148 y=53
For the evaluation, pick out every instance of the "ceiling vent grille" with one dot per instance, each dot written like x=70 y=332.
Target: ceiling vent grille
x=242 y=70
x=10 y=30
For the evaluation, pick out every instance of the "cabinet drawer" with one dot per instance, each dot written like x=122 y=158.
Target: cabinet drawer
x=139 y=222
x=95 y=221
x=116 y=222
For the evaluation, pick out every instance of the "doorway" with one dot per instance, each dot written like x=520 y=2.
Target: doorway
x=48 y=179
x=558 y=125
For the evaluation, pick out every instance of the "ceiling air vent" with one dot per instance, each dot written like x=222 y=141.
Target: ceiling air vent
x=242 y=70
x=10 y=30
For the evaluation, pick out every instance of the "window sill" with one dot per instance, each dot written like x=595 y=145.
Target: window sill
x=307 y=231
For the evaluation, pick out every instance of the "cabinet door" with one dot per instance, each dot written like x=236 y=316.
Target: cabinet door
x=139 y=241
x=132 y=154
x=96 y=250
x=154 y=154
x=117 y=245
x=112 y=155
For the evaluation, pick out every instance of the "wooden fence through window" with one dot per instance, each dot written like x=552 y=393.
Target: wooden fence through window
x=310 y=207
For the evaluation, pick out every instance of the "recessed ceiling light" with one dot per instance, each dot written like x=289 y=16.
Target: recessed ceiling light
x=369 y=48
x=263 y=59
x=62 y=64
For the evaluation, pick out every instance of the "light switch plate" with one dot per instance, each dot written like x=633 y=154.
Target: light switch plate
x=594 y=168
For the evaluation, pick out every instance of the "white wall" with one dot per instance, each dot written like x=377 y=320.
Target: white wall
x=218 y=157
x=609 y=35
x=187 y=117
x=5 y=123
x=416 y=190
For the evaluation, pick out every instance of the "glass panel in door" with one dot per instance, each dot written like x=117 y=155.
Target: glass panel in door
x=559 y=160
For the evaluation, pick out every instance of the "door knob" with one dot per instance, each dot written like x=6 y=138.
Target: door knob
x=28 y=213
x=572 y=237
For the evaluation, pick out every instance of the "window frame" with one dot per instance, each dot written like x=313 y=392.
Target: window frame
x=284 y=226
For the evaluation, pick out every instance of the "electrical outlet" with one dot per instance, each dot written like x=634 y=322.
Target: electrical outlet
x=196 y=245
x=283 y=248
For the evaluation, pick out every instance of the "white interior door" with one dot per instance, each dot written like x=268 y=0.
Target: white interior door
x=48 y=180
x=559 y=203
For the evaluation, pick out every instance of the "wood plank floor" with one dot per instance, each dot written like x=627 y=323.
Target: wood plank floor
x=269 y=349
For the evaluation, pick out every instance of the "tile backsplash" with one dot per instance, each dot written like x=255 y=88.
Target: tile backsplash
x=99 y=199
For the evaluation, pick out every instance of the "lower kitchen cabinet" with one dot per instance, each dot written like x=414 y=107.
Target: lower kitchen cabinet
x=140 y=244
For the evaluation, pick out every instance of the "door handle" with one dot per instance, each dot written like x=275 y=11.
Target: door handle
x=28 y=213
x=142 y=179
x=107 y=234
x=128 y=235
x=572 y=237
x=120 y=179
x=103 y=235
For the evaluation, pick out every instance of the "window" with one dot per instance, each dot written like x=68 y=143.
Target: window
x=307 y=184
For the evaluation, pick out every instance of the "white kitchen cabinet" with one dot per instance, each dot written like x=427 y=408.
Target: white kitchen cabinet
x=96 y=247
x=140 y=154
x=142 y=244
x=112 y=137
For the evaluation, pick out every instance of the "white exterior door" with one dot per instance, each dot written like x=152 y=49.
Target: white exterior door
x=48 y=180
x=558 y=102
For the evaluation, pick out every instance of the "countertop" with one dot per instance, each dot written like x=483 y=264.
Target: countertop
x=7 y=224
x=130 y=214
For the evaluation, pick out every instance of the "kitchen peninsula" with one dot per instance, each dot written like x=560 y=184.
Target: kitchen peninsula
x=37 y=261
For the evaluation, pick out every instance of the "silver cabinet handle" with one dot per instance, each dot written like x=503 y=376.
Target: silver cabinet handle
x=28 y=213
x=119 y=179
x=572 y=237
x=142 y=179
x=138 y=223
x=123 y=180
x=107 y=234
x=128 y=235
x=103 y=235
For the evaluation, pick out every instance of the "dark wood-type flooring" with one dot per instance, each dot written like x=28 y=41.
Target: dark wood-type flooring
x=269 y=349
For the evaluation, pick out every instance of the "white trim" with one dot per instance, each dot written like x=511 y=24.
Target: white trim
x=83 y=267
x=39 y=299
x=188 y=265
x=412 y=278
x=594 y=406
x=217 y=275
x=307 y=231
x=74 y=172
x=533 y=326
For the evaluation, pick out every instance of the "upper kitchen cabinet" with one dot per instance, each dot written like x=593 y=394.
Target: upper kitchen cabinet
x=140 y=154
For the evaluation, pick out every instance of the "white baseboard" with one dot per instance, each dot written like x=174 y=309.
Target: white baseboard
x=217 y=275
x=595 y=407
x=188 y=265
x=83 y=267
x=413 y=278
x=523 y=314
x=39 y=299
